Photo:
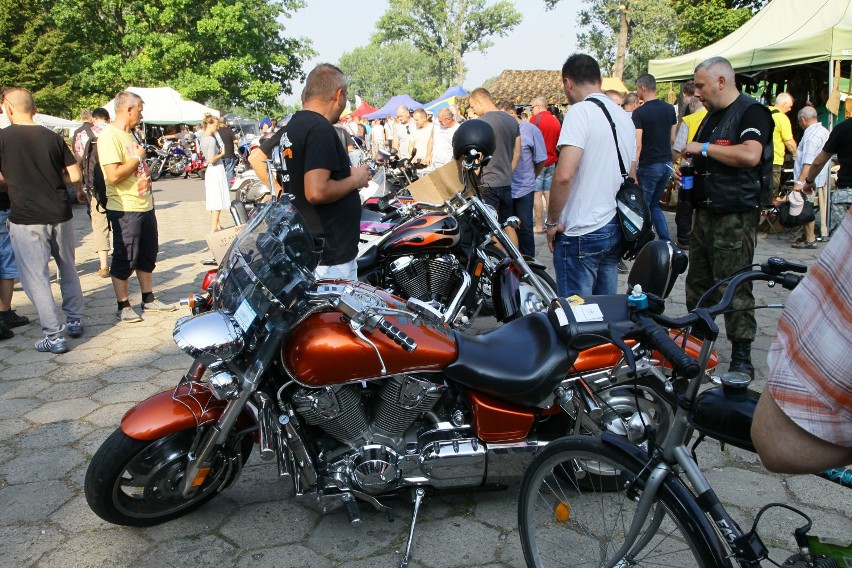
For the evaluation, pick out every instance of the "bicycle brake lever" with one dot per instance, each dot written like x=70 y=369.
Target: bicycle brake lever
x=617 y=338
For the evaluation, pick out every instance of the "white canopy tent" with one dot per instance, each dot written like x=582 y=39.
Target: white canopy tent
x=164 y=105
x=48 y=121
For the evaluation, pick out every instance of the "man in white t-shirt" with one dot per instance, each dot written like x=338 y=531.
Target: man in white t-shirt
x=422 y=139
x=442 y=138
x=402 y=132
x=582 y=226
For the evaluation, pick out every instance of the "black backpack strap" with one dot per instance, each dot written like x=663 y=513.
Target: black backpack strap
x=602 y=106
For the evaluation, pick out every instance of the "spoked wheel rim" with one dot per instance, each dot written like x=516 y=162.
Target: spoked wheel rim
x=151 y=483
x=578 y=523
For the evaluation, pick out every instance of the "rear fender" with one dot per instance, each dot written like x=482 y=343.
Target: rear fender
x=190 y=405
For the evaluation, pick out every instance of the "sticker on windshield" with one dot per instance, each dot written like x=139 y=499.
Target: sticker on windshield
x=245 y=315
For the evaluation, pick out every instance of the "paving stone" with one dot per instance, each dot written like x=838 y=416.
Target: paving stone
x=463 y=542
x=818 y=492
x=31 y=502
x=61 y=410
x=375 y=535
x=23 y=388
x=177 y=362
x=75 y=517
x=259 y=484
x=743 y=488
x=90 y=443
x=125 y=392
x=205 y=550
x=206 y=520
x=56 y=434
x=511 y=553
x=78 y=372
x=287 y=556
x=9 y=428
x=7 y=453
x=108 y=416
x=96 y=549
x=129 y=375
x=24 y=545
x=29 y=370
x=384 y=560
x=69 y=390
x=31 y=357
x=499 y=510
x=40 y=464
x=17 y=407
x=287 y=522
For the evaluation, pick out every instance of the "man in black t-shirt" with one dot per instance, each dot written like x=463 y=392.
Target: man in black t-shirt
x=655 y=123
x=733 y=163
x=38 y=166
x=316 y=170
x=229 y=160
x=839 y=142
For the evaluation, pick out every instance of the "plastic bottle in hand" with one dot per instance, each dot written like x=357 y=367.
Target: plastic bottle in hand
x=687 y=173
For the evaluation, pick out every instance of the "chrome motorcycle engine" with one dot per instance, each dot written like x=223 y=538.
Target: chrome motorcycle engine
x=426 y=278
x=397 y=446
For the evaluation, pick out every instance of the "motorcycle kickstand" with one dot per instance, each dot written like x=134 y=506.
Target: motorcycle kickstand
x=419 y=493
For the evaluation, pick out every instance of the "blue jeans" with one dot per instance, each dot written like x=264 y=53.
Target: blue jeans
x=653 y=179
x=522 y=208
x=229 y=164
x=588 y=264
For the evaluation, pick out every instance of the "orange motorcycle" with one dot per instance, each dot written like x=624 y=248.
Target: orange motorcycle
x=359 y=396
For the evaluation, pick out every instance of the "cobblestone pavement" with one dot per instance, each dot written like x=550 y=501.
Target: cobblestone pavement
x=55 y=410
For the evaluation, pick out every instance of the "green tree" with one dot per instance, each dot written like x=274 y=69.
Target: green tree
x=378 y=72
x=224 y=52
x=708 y=21
x=446 y=30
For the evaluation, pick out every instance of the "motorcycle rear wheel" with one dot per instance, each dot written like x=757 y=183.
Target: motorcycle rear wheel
x=137 y=483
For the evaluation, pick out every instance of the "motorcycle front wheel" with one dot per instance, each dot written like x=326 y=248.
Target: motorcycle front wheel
x=156 y=169
x=569 y=517
x=138 y=483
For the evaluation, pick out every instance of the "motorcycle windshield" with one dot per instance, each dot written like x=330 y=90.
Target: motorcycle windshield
x=271 y=260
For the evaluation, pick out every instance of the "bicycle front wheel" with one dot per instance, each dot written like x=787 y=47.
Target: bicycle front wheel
x=570 y=515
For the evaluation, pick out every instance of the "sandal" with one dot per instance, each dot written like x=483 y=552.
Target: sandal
x=805 y=245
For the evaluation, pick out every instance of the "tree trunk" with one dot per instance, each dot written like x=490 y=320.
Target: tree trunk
x=621 y=50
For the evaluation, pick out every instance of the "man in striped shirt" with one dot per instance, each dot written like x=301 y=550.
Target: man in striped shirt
x=814 y=138
x=803 y=422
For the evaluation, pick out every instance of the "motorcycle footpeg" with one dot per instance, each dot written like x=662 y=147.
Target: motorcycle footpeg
x=353 y=511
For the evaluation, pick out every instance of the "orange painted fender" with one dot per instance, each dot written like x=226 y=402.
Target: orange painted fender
x=188 y=406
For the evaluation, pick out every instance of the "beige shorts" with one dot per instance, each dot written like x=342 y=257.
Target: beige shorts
x=100 y=228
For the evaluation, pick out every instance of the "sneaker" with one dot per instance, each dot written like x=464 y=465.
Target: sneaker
x=12 y=319
x=75 y=328
x=48 y=345
x=158 y=306
x=103 y=272
x=804 y=245
x=823 y=239
x=5 y=331
x=622 y=267
x=128 y=315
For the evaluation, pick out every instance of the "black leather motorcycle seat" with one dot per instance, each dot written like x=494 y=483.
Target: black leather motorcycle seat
x=368 y=260
x=521 y=362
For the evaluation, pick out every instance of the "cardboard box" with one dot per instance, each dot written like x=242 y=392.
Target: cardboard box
x=438 y=186
x=219 y=241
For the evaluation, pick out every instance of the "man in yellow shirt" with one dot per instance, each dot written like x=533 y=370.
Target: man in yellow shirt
x=782 y=137
x=130 y=208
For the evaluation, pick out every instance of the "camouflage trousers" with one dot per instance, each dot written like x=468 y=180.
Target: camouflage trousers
x=719 y=245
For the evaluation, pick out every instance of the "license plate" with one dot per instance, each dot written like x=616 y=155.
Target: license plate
x=245 y=315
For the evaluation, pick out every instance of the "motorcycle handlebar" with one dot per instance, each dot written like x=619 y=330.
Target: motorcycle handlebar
x=658 y=338
x=397 y=335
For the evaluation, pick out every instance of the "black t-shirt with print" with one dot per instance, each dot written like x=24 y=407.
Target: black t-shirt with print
x=840 y=142
x=32 y=161
x=309 y=142
x=227 y=136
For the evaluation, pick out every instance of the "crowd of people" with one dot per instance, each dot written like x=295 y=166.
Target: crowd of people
x=569 y=170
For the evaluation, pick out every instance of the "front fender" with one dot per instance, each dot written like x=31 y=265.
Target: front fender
x=505 y=290
x=190 y=405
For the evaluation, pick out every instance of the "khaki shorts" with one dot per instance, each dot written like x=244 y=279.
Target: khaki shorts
x=100 y=227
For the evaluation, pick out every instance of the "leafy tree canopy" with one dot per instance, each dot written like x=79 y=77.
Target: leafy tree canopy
x=77 y=53
x=378 y=72
x=446 y=30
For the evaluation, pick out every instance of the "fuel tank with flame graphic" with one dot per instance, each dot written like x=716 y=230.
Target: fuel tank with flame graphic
x=423 y=234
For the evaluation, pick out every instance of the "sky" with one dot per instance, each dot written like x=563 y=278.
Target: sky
x=543 y=40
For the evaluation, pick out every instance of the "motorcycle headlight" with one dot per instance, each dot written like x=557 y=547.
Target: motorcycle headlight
x=209 y=337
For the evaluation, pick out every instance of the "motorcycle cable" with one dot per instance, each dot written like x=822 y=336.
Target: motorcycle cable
x=706 y=295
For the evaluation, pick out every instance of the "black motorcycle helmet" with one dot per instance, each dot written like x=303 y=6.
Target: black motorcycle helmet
x=474 y=135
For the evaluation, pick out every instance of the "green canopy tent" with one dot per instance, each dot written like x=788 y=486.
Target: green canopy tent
x=783 y=34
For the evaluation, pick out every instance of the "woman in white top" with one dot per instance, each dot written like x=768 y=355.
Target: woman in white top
x=215 y=179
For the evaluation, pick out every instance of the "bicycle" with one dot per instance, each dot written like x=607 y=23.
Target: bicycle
x=605 y=501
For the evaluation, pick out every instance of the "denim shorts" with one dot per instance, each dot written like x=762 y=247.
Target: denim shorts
x=8 y=268
x=544 y=179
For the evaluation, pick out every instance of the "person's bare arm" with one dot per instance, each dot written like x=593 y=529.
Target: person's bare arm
x=638 y=143
x=785 y=447
x=320 y=188
x=560 y=189
x=745 y=155
x=791 y=145
x=538 y=167
x=118 y=172
x=819 y=163
x=257 y=160
x=516 y=153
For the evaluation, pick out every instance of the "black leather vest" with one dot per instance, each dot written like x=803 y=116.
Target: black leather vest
x=728 y=189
